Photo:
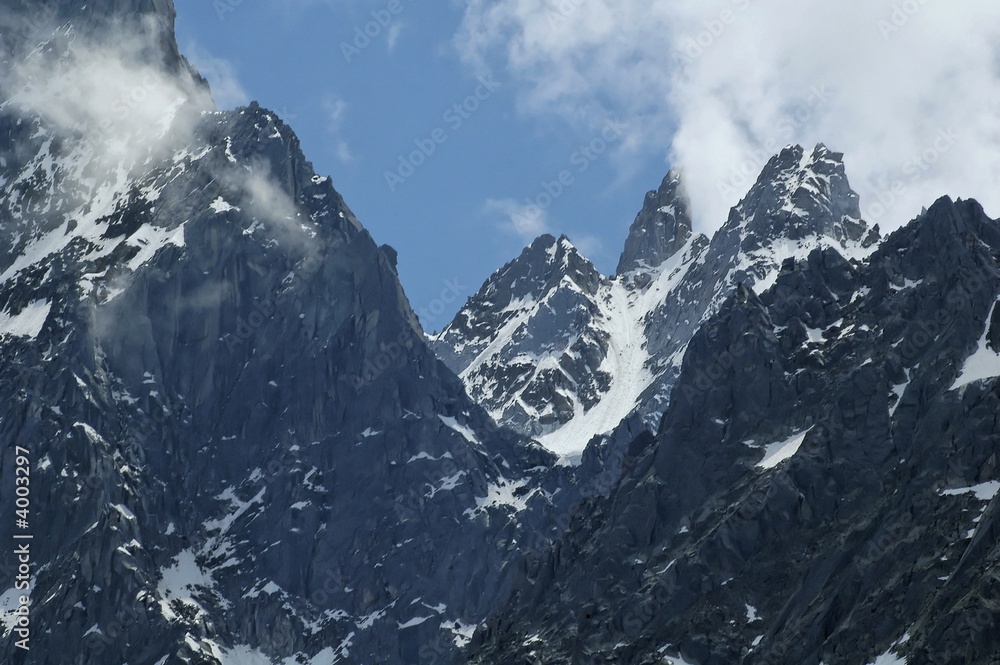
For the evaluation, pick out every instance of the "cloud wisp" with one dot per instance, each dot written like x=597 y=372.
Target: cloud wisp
x=106 y=95
x=526 y=221
x=227 y=90
x=908 y=90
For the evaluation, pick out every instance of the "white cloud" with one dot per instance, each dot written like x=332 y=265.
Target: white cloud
x=107 y=96
x=909 y=90
x=589 y=246
x=221 y=75
x=395 y=30
x=527 y=222
x=336 y=109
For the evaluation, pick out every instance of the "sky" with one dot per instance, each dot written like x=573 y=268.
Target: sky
x=448 y=126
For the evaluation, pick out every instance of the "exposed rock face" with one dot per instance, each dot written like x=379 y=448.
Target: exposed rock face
x=801 y=202
x=661 y=228
x=823 y=485
x=149 y=22
x=532 y=343
x=242 y=448
x=240 y=444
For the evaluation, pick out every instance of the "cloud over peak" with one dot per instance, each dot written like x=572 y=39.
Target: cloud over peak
x=908 y=90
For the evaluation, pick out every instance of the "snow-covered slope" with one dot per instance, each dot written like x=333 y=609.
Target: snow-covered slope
x=565 y=358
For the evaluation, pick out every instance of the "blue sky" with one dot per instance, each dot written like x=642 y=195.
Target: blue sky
x=908 y=90
x=451 y=219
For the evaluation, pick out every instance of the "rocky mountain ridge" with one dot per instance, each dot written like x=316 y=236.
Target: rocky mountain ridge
x=565 y=359
x=243 y=449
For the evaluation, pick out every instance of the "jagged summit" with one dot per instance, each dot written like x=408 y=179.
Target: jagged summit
x=669 y=281
x=661 y=228
x=242 y=449
x=799 y=195
x=528 y=345
x=836 y=434
x=543 y=264
x=548 y=264
x=801 y=201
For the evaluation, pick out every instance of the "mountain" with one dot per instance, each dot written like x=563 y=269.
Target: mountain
x=533 y=343
x=822 y=487
x=240 y=447
x=226 y=440
x=555 y=351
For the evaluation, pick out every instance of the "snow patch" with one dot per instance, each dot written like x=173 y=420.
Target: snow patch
x=462 y=633
x=242 y=655
x=220 y=205
x=238 y=509
x=466 y=433
x=182 y=581
x=983 y=364
x=125 y=512
x=889 y=658
x=412 y=622
x=983 y=491
x=776 y=453
x=26 y=323
x=429 y=457
x=504 y=493
x=9 y=602
x=150 y=239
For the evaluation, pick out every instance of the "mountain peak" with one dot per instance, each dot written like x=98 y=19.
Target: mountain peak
x=548 y=258
x=660 y=229
x=801 y=194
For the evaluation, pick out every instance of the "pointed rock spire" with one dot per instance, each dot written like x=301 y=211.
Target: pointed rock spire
x=801 y=194
x=660 y=229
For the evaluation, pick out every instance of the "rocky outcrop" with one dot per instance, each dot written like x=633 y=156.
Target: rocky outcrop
x=532 y=344
x=241 y=447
